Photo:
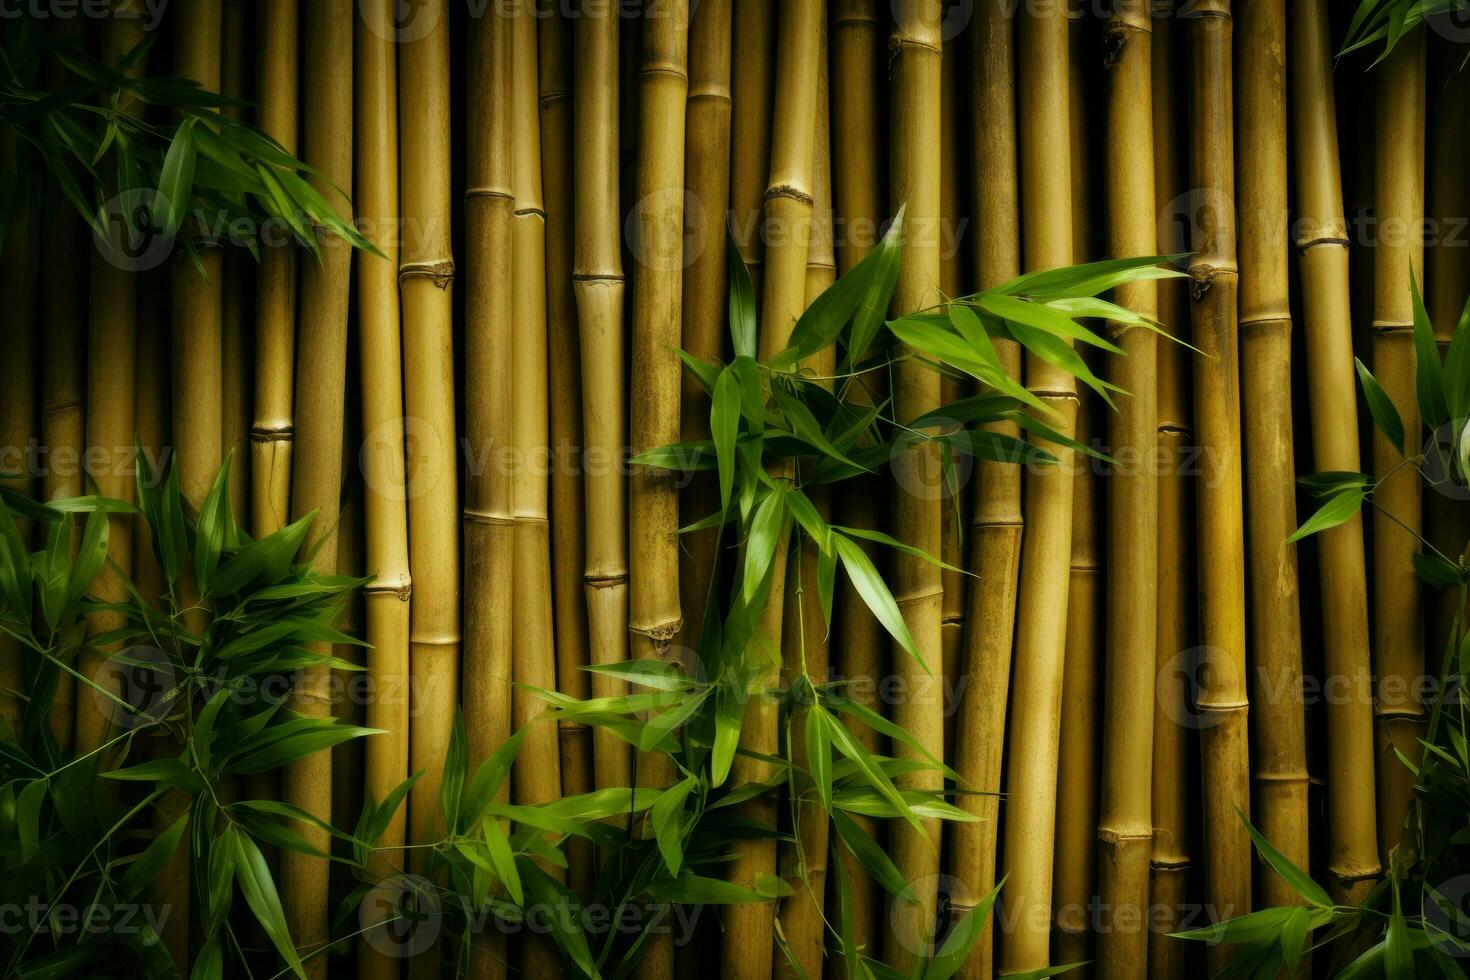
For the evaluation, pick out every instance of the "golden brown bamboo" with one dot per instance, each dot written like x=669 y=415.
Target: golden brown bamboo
x=1323 y=246
x=271 y=433
x=346 y=705
x=707 y=170
x=915 y=84
x=1046 y=222
x=237 y=287
x=387 y=597
x=1279 y=726
x=320 y=410
x=1398 y=629
x=426 y=276
x=751 y=78
x=803 y=862
x=995 y=547
x=597 y=281
x=858 y=42
x=1222 y=696
x=1169 y=858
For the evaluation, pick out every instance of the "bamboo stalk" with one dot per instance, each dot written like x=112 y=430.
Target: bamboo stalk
x=1126 y=828
x=426 y=276
x=707 y=168
x=387 y=597
x=858 y=42
x=1322 y=243
x=997 y=522
x=751 y=78
x=320 y=410
x=1046 y=221
x=597 y=282
x=1222 y=691
x=803 y=862
x=237 y=287
x=1265 y=350
x=1169 y=857
x=271 y=433
x=1398 y=629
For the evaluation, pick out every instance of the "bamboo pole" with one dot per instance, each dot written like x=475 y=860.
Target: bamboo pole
x=598 y=285
x=1046 y=221
x=707 y=168
x=858 y=44
x=1169 y=857
x=1323 y=246
x=237 y=287
x=1222 y=692
x=426 y=277
x=387 y=597
x=271 y=433
x=995 y=547
x=1126 y=828
x=788 y=220
x=1265 y=351
x=1398 y=629
x=751 y=78
x=804 y=643
x=320 y=410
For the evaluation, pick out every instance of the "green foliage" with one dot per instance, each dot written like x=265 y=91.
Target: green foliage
x=1388 y=21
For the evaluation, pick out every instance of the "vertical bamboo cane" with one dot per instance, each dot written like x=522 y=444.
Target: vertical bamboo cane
x=916 y=68
x=1398 y=629
x=598 y=283
x=1323 y=246
x=996 y=528
x=707 y=167
x=1265 y=350
x=320 y=410
x=426 y=276
x=237 y=288
x=1046 y=221
x=751 y=78
x=271 y=434
x=1169 y=859
x=857 y=94
x=1126 y=829
x=1222 y=694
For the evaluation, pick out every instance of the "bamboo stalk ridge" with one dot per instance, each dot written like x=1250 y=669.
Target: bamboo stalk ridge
x=858 y=45
x=1222 y=698
x=1279 y=735
x=237 y=288
x=707 y=171
x=387 y=597
x=598 y=286
x=1036 y=693
x=320 y=411
x=752 y=76
x=1172 y=789
x=271 y=432
x=426 y=276
x=996 y=525
x=1323 y=248
x=1398 y=628
x=568 y=509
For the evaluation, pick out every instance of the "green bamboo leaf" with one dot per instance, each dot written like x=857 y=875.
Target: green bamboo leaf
x=1381 y=407
x=485 y=785
x=504 y=862
x=724 y=425
x=259 y=889
x=1294 y=937
x=874 y=306
x=91 y=556
x=875 y=595
x=668 y=823
x=962 y=939
x=698 y=890
x=1338 y=509
x=1042 y=317
x=868 y=766
x=819 y=752
x=176 y=180
x=456 y=766
x=1298 y=880
x=1429 y=380
x=761 y=545
x=742 y=300
x=873 y=858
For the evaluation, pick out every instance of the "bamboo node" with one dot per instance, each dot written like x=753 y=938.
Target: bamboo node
x=790 y=193
x=568 y=727
x=277 y=434
x=1387 y=328
x=605 y=581
x=1348 y=876
x=500 y=192
x=441 y=272
x=403 y=590
x=1108 y=835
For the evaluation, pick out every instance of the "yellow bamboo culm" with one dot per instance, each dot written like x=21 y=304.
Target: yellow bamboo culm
x=1322 y=244
x=860 y=648
x=995 y=531
x=597 y=282
x=1224 y=744
x=752 y=76
x=707 y=169
x=426 y=277
x=316 y=480
x=1279 y=725
x=271 y=432
x=1036 y=691
x=387 y=597
x=237 y=288
x=1398 y=628
x=1126 y=828
x=1169 y=858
